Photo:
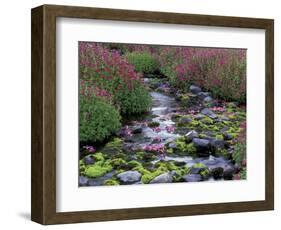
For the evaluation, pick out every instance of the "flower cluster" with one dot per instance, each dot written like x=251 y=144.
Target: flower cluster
x=170 y=129
x=222 y=71
x=218 y=109
x=157 y=148
x=90 y=148
x=107 y=74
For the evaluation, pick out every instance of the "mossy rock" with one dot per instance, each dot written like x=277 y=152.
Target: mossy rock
x=153 y=124
x=98 y=169
x=184 y=148
x=113 y=147
x=111 y=182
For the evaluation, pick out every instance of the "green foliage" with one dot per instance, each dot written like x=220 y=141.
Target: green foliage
x=143 y=62
x=185 y=148
x=243 y=174
x=98 y=119
x=98 y=156
x=111 y=182
x=98 y=169
x=239 y=153
x=153 y=124
x=133 y=101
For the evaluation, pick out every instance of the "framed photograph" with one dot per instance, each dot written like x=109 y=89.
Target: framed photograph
x=139 y=114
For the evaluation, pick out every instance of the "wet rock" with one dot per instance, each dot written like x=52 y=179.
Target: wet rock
x=137 y=130
x=208 y=99
x=190 y=135
x=217 y=144
x=195 y=170
x=185 y=120
x=227 y=136
x=217 y=173
x=224 y=129
x=228 y=172
x=203 y=95
x=199 y=116
x=194 y=89
x=224 y=118
x=192 y=178
x=202 y=145
x=94 y=182
x=88 y=160
x=129 y=177
x=172 y=145
x=209 y=113
x=83 y=181
x=163 y=178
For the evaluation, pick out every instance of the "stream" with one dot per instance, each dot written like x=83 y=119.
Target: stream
x=156 y=131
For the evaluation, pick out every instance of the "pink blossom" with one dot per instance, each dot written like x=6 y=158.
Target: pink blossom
x=170 y=129
x=90 y=148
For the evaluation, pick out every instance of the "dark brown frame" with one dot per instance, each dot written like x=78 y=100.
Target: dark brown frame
x=43 y=205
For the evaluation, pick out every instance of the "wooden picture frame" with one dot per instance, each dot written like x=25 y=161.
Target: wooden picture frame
x=43 y=208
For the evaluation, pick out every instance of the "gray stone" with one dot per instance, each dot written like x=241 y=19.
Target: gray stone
x=199 y=116
x=195 y=170
x=137 y=130
x=185 y=120
x=190 y=135
x=163 y=178
x=202 y=145
x=217 y=173
x=209 y=113
x=227 y=136
x=228 y=172
x=217 y=144
x=83 y=181
x=129 y=177
x=224 y=129
x=192 y=178
x=208 y=99
x=172 y=145
x=202 y=95
x=194 y=89
x=88 y=160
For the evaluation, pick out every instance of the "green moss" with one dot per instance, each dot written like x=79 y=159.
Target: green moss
x=219 y=137
x=134 y=163
x=203 y=136
x=141 y=170
x=170 y=151
x=205 y=173
x=184 y=147
x=117 y=162
x=116 y=142
x=111 y=182
x=206 y=120
x=184 y=98
x=147 y=177
x=98 y=169
x=180 y=172
x=221 y=152
x=166 y=165
x=199 y=165
x=153 y=124
x=98 y=156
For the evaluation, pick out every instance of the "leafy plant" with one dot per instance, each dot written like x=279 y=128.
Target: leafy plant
x=98 y=119
x=107 y=74
x=143 y=62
